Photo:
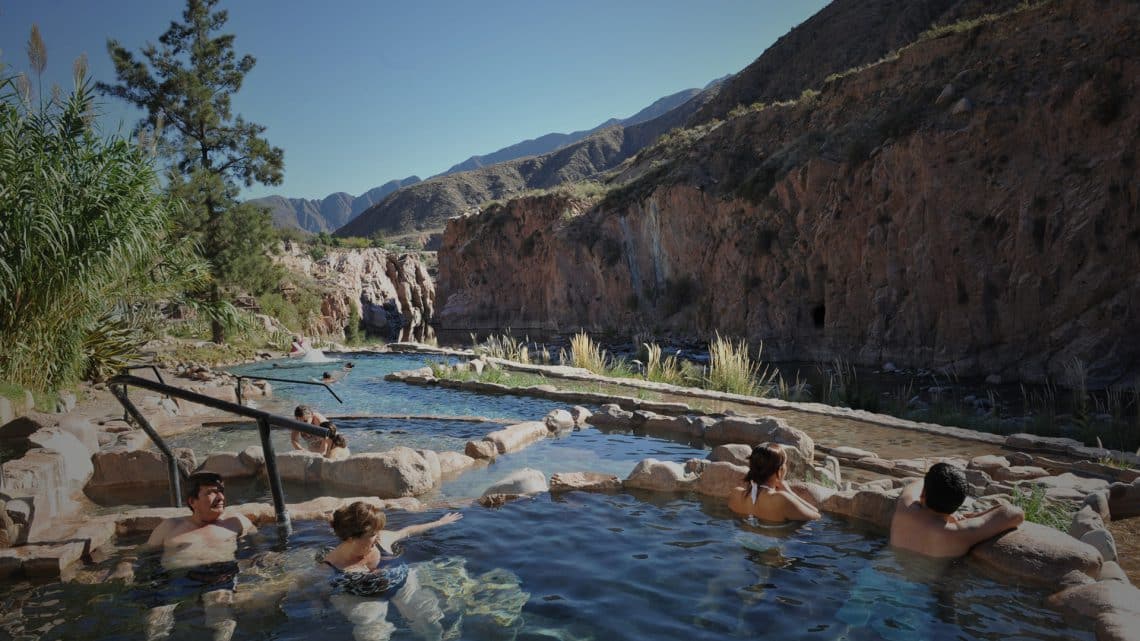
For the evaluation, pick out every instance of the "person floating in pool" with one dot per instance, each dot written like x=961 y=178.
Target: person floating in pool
x=924 y=519
x=365 y=573
x=764 y=494
x=198 y=551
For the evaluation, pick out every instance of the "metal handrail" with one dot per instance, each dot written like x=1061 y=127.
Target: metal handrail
x=265 y=422
x=242 y=377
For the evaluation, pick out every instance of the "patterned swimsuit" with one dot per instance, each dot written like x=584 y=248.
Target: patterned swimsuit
x=388 y=577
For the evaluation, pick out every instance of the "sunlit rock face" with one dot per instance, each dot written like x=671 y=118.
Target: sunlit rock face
x=393 y=293
x=873 y=222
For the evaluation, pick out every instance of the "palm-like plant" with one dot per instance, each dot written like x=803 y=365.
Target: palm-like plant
x=85 y=247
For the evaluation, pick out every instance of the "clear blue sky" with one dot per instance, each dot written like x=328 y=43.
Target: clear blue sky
x=360 y=92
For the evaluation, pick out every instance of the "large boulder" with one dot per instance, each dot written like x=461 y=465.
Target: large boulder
x=398 y=472
x=720 y=478
x=873 y=505
x=253 y=457
x=1037 y=555
x=559 y=421
x=77 y=466
x=763 y=429
x=120 y=467
x=300 y=465
x=519 y=482
x=434 y=465
x=611 y=416
x=735 y=453
x=654 y=423
x=662 y=476
x=481 y=450
x=988 y=463
x=83 y=429
x=1124 y=500
x=453 y=463
x=227 y=464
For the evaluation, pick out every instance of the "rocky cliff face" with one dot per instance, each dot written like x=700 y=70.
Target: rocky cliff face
x=392 y=292
x=969 y=204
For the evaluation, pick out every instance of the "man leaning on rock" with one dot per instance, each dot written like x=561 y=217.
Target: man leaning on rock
x=924 y=519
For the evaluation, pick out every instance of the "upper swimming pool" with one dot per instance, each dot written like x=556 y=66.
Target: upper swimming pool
x=365 y=391
x=602 y=567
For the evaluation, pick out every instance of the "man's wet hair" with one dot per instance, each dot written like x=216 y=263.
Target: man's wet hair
x=944 y=488
x=199 y=480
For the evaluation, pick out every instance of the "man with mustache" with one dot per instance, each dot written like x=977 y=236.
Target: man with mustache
x=198 y=552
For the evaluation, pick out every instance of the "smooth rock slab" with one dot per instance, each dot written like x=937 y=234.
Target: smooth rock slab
x=1037 y=555
x=516 y=437
x=585 y=482
x=851 y=453
x=1019 y=473
x=1096 y=598
x=481 y=450
x=519 y=482
x=988 y=463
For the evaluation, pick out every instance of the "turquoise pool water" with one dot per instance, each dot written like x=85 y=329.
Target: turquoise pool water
x=601 y=567
x=365 y=391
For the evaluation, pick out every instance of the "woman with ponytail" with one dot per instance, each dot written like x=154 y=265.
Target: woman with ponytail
x=764 y=494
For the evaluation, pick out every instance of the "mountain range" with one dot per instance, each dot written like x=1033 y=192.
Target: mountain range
x=330 y=212
x=335 y=210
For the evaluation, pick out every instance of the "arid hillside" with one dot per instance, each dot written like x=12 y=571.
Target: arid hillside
x=844 y=34
x=967 y=203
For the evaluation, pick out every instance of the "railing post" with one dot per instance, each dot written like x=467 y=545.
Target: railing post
x=274 y=477
x=172 y=471
x=239 y=379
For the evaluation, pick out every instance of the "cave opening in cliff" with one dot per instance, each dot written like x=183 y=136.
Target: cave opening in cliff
x=818 y=315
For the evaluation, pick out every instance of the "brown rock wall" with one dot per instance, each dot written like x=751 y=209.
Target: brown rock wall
x=393 y=293
x=869 y=222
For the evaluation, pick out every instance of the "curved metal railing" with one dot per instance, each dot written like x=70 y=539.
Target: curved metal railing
x=265 y=422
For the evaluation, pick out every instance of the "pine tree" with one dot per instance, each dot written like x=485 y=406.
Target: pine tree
x=185 y=84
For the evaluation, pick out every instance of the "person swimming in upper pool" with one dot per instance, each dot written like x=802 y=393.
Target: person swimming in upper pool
x=365 y=572
x=925 y=521
x=764 y=494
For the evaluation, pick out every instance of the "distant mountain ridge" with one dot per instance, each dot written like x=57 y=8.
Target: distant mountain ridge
x=329 y=213
x=551 y=142
x=337 y=210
